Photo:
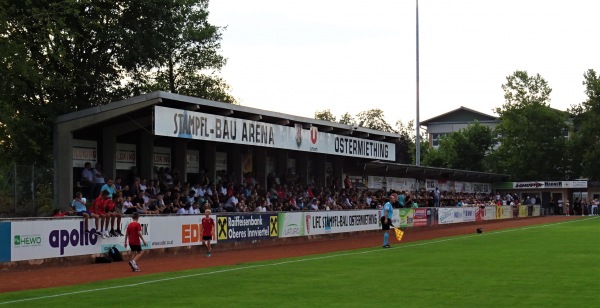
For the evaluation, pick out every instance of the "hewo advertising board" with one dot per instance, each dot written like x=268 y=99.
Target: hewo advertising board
x=246 y=227
x=342 y=221
x=201 y=126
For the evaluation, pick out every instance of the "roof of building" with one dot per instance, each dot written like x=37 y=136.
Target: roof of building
x=462 y=114
x=139 y=110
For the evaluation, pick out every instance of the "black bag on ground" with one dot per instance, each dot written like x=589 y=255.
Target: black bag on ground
x=114 y=254
x=103 y=260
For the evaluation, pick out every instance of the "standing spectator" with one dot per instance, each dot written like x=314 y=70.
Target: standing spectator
x=110 y=187
x=133 y=234
x=594 y=210
x=98 y=179
x=386 y=219
x=87 y=181
x=208 y=231
x=401 y=199
x=436 y=197
x=347 y=182
x=567 y=208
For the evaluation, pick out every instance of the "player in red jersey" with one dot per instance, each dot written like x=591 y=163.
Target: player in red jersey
x=207 y=229
x=134 y=235
x=97 y=208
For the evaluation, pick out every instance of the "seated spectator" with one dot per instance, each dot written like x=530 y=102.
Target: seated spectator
x=314 y=205
x=128 y=207
x=231 y=203
x=79 y=207
x=194 y=208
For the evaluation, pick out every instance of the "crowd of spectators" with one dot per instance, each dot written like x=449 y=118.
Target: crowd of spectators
x=168 y=194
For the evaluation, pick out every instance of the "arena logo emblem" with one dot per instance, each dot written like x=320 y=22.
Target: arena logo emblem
x=314 y=132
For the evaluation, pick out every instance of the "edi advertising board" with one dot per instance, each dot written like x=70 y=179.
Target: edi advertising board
x=62 y=237
x=233 y=228
x=342 y=221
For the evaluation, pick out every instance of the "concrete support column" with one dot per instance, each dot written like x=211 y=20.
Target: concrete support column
x=209 y=154
x=63 y=160
x=146 y=152
x=109 y=149
x=234 y=160
x=179 y=157
x=320 y=170
x=302 y=168
x=338 y=169
x=281 y=169
x=259 y=167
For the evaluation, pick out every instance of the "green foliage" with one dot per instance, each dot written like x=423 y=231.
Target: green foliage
x=531 y=133
x=347 y=119
x=325 y=115
x=62 y=56
x=373 y=119
x=465 y=149
x=585 y=150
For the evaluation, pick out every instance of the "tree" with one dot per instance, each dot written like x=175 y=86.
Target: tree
x=585 y=149
x=373 y=119
x=188 y=59
x=406 y=148
x=531 y=132
x=465 y=149
x=325 y=115
x=62 y=56
x=347 y=119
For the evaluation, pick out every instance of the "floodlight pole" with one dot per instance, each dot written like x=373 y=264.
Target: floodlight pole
x=418 y=124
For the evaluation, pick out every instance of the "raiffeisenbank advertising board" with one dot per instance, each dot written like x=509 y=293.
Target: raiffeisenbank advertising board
x=179 y=123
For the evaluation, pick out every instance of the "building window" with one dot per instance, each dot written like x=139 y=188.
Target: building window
x=435 y=139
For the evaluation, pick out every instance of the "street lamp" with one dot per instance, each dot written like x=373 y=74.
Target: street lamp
x=418 y=137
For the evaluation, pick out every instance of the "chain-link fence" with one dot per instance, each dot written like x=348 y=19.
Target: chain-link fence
x=25 y=191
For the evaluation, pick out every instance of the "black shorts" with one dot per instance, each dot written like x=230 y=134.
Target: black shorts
x=207 y=238
x=385 y=226
x=137 y=248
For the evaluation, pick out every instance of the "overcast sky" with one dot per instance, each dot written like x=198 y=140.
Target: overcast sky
x=302 y=56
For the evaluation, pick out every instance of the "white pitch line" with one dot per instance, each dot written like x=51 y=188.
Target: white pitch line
x=289 y=262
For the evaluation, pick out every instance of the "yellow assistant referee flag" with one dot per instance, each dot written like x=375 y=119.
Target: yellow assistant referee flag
x=399 y=234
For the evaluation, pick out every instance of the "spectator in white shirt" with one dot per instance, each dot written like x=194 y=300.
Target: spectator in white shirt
x=231 y=203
